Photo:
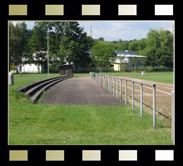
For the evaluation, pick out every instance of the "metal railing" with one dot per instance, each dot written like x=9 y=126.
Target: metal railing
x=114 y=86
x=173 y=117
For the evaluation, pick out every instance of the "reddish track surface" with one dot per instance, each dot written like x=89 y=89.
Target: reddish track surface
x=163 y=94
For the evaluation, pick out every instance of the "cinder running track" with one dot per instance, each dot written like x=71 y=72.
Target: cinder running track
x=79 y=91
x=163 y=95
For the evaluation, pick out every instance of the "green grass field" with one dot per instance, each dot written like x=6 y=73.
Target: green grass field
x=35 y=124
x=164 y=77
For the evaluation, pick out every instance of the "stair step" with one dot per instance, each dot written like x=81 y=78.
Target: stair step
x=38 y=93
x=29 y=86
x=33 y=90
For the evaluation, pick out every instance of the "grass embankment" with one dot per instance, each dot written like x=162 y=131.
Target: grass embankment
x=77 y=125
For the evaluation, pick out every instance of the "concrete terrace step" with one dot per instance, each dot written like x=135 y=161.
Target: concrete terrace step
x=31 y=91
x=29 y=86
x=34 y=90
x=35 y=97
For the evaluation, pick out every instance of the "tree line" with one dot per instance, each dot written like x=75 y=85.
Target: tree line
x=157 y=47
x=68 y=42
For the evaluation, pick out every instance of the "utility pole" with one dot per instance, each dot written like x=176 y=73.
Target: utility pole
x=48 y=52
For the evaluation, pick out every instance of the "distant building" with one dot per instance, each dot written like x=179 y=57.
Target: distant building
x=122 y=62
x=126 y=56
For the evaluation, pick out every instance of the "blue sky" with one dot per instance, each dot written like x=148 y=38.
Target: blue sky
x=115 y=30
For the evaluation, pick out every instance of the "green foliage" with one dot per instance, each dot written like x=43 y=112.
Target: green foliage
x=18 y=38
x=53 y=68
x=101 y=39
x=74 y=45
x=103 y=53
x=67 y=41
x=160 y=48
x=157 y=47
x=133 y=46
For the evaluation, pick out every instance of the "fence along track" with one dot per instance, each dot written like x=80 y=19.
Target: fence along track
x=111 y=84
x=150 y=107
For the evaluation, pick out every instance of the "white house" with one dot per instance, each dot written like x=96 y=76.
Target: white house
x=125 y=56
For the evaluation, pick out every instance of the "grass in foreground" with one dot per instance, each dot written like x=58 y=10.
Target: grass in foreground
x=35 y=124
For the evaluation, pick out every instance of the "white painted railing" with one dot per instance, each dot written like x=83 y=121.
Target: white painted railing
x=114 y=86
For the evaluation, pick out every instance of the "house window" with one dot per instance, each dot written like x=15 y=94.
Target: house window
x=111 y=65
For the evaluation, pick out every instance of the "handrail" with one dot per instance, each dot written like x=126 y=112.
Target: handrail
x=112 y=86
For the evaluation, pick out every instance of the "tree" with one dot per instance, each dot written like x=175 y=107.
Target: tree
x=67 y=43
x=161 y=42
x=151 y=57
x=38 y=43
x=75 y=45
x=101 y=39
x=18 y=37
x=123 y=45
x=103 y=53
x=133 y=46
x=165 y=56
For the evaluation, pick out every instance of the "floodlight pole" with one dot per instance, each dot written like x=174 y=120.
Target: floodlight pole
x=48 y=52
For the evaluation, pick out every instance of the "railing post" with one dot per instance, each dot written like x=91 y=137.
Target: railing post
x=103 y=81
x=154 y=105
x=173 y=118
x=126 y=95
x=133 y=95
x=108 y=83
x=100 y=79
x=120 y=90
x=141 y=99
x=116 y=88
x=113 y=85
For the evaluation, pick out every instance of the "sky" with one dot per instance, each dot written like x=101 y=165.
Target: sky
x=115 y=30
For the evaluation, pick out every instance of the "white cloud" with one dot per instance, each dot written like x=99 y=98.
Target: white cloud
x=119 y=30
x=127 y=30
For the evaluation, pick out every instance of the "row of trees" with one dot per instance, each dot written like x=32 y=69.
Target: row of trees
x=157 y=47
x=69 y=43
